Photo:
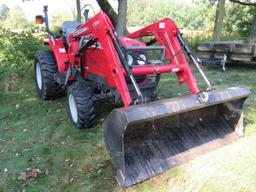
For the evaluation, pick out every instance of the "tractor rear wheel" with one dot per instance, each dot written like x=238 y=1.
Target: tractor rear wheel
x=81 y=106
x=44 y=69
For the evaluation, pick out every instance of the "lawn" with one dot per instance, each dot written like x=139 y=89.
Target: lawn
x=40 y=150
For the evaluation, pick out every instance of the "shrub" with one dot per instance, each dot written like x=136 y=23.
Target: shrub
x=16 y=50
x=198 y=37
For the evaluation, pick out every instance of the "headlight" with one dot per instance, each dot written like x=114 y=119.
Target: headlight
x=130 y=60
x=142 y=59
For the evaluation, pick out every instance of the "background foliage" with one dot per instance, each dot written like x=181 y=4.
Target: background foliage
x=18 y=40
x=238 y=19
x=199 y=15
x=144 y=12
x=16 y=50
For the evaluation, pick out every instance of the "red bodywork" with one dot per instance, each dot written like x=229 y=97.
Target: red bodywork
x=104 y=62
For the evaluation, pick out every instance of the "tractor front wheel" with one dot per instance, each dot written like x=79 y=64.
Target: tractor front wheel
x=44 y=69
x=81 y=106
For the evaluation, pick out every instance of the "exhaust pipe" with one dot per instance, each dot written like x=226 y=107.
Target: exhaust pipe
x=47 y=21
x=144 y=140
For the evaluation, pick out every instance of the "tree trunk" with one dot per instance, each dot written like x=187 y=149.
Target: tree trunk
x=220 y=12
x=106 y=7
x=121 y=21
x=253 y=30
x=78 y=11
x=122 y=10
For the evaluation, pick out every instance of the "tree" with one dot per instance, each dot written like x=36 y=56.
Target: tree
x=78 y=10
x=243 y=2
x=252 y=37
x=107 y=8
x=118 y=20
x=145 y=12
x=56 y=20
x=220 y=13
x=229 y=18
x=121 y=19
x=16 y=19
x=242 y=23
x=3 y=12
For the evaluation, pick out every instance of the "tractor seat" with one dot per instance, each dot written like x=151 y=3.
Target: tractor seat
x=69 y=27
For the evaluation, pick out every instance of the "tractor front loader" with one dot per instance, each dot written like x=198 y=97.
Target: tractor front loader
x=146 y=136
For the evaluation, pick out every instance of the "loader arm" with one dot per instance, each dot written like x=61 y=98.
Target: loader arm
x=165 y=34
x=101 y=30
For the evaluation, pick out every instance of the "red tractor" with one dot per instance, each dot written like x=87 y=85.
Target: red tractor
x=146 y=135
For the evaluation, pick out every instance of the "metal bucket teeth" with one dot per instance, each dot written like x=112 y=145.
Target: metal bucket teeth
x=144 y=140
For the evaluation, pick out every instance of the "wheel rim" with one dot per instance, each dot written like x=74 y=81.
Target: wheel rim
x=39 y=76
x=72 y=108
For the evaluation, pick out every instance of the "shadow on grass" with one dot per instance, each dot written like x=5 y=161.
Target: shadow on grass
x=38 y=134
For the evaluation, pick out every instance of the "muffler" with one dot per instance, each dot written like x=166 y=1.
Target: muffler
x=144 y=140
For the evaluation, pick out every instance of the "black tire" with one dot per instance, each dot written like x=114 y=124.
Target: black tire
x=47 y=87
x=82 y=103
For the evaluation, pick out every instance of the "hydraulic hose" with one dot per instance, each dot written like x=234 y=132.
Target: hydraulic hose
x=194 y=58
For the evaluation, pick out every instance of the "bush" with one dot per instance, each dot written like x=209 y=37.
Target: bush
x=194 y=39
x=17 y=49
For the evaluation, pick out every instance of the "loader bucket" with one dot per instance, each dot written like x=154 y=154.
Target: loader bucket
x=144 y=140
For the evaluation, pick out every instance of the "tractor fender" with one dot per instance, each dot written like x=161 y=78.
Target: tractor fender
x=59 y=52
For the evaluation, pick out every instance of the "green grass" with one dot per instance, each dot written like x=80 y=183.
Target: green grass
x=38 y=134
